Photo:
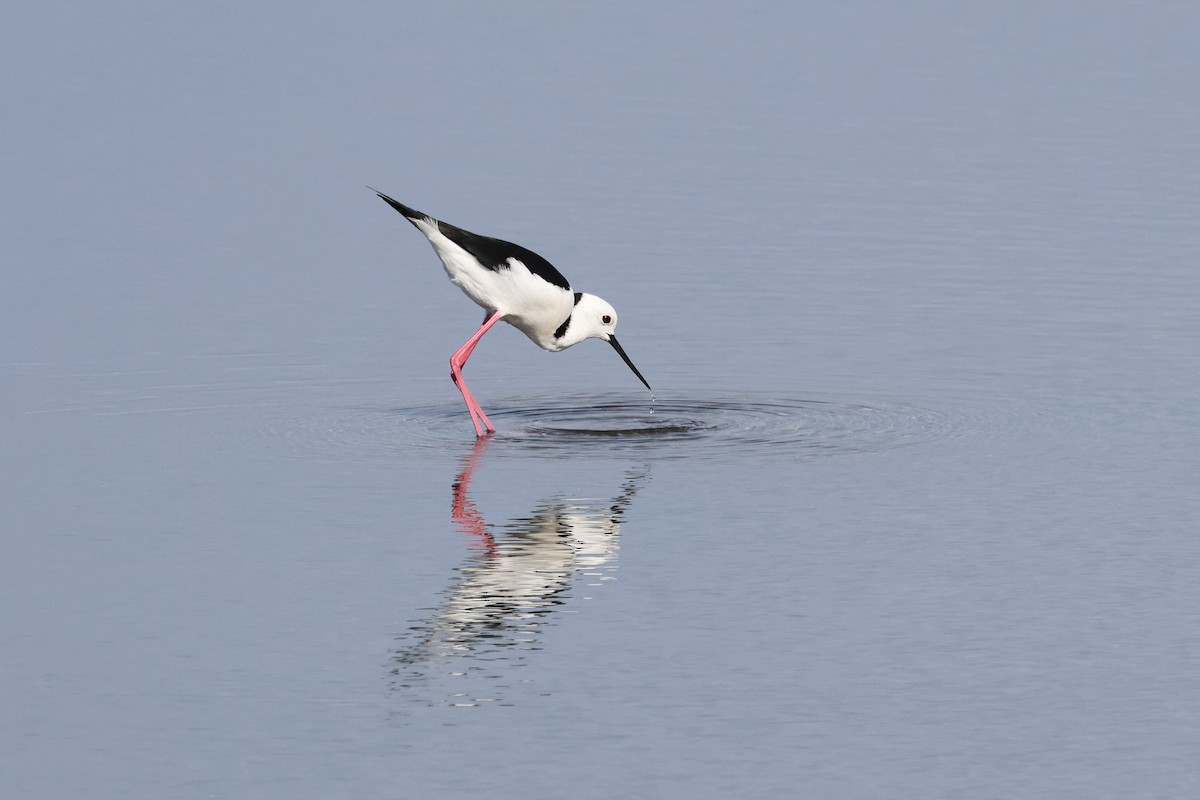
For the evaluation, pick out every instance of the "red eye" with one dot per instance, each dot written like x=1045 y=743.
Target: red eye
x=606 y=319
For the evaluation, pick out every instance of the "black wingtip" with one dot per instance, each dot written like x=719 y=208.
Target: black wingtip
x=411 y=213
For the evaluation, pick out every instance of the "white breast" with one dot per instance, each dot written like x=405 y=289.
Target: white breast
x=526 y=301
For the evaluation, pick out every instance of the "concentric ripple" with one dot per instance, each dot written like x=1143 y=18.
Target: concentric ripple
x=678 y=427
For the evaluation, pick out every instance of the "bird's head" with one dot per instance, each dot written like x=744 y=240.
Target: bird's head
x=594 y=318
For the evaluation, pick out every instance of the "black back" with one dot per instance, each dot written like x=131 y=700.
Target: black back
x=492 y=253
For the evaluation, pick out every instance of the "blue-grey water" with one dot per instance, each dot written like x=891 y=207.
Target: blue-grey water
x=915 y=512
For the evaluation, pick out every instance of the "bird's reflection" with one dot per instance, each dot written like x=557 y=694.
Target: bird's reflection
x=515 y=579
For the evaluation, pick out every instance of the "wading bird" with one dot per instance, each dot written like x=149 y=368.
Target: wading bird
x=518 y=286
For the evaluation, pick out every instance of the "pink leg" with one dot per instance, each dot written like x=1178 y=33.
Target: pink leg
x=458 y=361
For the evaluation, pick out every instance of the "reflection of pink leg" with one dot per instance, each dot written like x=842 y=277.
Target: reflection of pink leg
x=462 y=509
x=458 y=361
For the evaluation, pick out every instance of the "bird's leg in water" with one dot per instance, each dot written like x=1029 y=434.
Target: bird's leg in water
x=458 y=361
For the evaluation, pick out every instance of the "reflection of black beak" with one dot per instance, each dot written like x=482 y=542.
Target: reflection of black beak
x=621 y=352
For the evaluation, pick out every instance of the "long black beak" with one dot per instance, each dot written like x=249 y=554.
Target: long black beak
x=621 y=352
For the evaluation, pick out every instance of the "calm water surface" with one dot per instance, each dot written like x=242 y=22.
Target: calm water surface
x=914 y=513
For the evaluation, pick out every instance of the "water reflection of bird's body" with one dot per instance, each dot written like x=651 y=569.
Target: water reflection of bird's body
x=517 y=575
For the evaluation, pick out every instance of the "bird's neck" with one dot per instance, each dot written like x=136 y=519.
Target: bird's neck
x=573 y=331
